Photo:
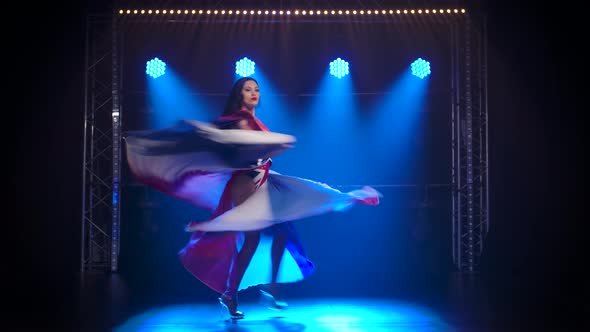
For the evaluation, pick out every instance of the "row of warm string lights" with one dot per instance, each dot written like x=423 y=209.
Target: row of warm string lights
x=289 y=12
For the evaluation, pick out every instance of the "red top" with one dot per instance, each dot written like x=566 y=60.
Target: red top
x=232 y=121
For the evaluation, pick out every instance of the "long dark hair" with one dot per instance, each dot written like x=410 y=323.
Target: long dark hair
x=234 y=100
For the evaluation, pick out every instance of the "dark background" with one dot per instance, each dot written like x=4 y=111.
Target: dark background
x=531 y=267
x=402 y=138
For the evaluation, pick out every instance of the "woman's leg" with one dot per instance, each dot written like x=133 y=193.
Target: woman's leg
x=246 y=253
x=278 y=248
x=242 y=187
x=271 y=293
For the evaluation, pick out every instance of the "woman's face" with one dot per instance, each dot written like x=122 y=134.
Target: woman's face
x=250 y=94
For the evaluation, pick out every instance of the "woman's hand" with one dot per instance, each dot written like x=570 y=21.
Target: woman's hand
x=191 y=227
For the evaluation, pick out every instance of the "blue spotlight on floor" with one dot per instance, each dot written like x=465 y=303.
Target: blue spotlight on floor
x=339 y=68
x=420 y=68
x=155 y=68
x=245 y=67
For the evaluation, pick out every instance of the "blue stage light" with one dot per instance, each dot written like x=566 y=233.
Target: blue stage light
x=245 y=67
x=155 y=68
x=421 y=68
x=339 y=68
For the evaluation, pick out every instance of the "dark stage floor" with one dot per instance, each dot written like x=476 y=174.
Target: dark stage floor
x=108 y=303
x=113 y=302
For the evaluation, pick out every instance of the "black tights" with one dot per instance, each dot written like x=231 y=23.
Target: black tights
x=252 y=238
x=242 y=188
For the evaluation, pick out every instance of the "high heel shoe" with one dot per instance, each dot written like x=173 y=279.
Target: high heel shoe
x=231 y=305
x=271 y=302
